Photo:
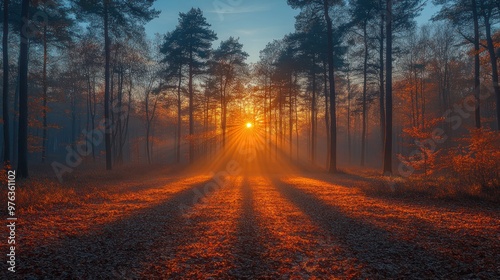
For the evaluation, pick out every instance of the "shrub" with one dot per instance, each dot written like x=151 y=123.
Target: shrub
x=424 y=150
x=476 y=161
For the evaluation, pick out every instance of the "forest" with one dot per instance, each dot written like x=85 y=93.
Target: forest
x=364 y=133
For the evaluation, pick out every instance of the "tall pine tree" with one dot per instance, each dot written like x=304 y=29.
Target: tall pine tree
x=193 y=43
x=226 y=59
x=5 y=92
x=124 y=17
x=22 y=168
x=324 y=6
x=55 y=31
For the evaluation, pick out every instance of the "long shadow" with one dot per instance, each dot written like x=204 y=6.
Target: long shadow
x=490 y=209
x=466 y=242
x=249 y=253
x=142 y=185
x=384 y=255
x=116 y=250
x=97 y=200
x=381 y=189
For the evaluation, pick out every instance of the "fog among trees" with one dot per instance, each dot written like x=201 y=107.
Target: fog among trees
x=363 y=144
x=359 y=76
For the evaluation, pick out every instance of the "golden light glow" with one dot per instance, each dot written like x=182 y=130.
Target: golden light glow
x=249 y=125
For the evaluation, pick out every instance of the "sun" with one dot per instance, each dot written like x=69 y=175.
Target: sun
x=249 y=125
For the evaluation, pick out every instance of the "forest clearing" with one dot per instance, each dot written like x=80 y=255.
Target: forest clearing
x=260 y=224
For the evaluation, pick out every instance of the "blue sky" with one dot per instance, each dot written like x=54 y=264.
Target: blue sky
x=255 y=22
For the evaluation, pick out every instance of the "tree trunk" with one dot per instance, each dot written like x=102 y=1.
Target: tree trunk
x=276 y=132
x=89 y=105
x=493 y=60
x=223 y=104
x=381 y=75
x=113 y=126
x=388 y=128
x=119 y=139
x=93 y=109
x=150 y=116
x=127 y=119
x=280 y=113
x=422 y=95
x=365 y=75
x=73 y=118
x=331 y=77
x=44 y=106
x=349 y=141
x=270 y=115
x=477 y=65
x=417 y=99
x=106 y=86
x=15 y=124
x=296 y=126
x=327 y=116
x=5 y=97
x=265 y=115
x=22 y=169
x=206 y=127
x=191 y=109
x=179 y=118
x=147 y=143
x=148 y=127
x=290 y=117
x=313 y=112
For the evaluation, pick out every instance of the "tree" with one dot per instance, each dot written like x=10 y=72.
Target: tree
x=22 y=169
x=125 y=16
x=127 y=66
x=381 y=69
x=308 y=44
x=226 y=61
x=460 y=13
x=325 y=5
x=331 y=77
x=311 y=37
x=152 y=88
x=285 y=81
x=487 y=13
x=265 y=68
x=477 y=63
x=399 y=15
x=362 y=13
x=5 y=92
x=175 y=61
x=56 y=29
x=150 y=113
x=388 y=92
x=194 y=43
x=88 y=50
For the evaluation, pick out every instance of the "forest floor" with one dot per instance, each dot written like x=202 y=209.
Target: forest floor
x=275 y=225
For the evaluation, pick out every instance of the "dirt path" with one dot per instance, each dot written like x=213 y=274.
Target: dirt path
x=259 y=226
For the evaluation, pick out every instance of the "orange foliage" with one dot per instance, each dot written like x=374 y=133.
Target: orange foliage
x=423 y=156
x=477 y=160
